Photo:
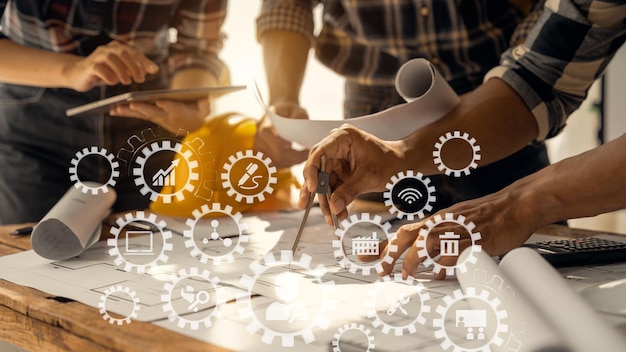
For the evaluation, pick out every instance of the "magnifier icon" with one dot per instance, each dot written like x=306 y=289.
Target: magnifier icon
x=202 y=297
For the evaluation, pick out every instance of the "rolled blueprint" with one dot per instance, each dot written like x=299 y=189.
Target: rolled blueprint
x=428 y=96
x=73 y=224
x=580 y=327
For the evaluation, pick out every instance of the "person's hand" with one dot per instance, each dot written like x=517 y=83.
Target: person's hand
x=357 y=162
x=269 y=142
x=169 y=114
x=503 y=220
x=110 y=64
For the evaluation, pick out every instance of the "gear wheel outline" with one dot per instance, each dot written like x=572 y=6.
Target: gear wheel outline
x=156 y=147
x=220 y=293
x=266 y=161
x=456 y=135
x=340 y=252
x=470 y=293
x=123 y=289
x=128 y=218
x=73 y=170
x=215 y=208
x=395 y=180
x=353 y=326
x=422 y=252
x=286 y=258
x=411 y=326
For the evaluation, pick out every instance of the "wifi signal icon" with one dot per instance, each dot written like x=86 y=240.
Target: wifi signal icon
x=410 y=195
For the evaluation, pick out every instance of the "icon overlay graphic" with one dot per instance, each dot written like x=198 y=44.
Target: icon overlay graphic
x=117 y=290
x=94 y=151
x=445 y=168
x=353 y=326
x=249 y=176
x=409 y=195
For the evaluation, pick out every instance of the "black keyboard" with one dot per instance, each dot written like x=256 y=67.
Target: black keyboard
x=581 y=251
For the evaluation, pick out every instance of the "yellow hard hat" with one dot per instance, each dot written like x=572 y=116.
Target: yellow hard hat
x=221 y=137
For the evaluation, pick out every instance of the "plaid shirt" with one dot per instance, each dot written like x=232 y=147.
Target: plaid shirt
x=79 y=26
x=367 y=41
x=562 y=56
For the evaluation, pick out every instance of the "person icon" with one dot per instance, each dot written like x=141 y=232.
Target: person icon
x=481 y=334
x=286 y=287
x=470 y=334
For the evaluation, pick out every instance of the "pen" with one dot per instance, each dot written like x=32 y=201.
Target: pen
x=22 y=231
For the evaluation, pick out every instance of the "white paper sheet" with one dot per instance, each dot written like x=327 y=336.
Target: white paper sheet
x=428 y=96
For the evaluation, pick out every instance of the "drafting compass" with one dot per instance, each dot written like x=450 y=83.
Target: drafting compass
x=323 y=187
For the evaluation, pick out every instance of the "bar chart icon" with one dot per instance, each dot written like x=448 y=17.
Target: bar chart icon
x=165 y=177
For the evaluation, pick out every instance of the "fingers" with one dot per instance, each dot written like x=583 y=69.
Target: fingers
x=120 y=63
x=171 y=115
x=403 y=241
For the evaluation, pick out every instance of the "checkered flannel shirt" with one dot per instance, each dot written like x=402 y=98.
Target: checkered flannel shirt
x=79 y=26
x=564 y=53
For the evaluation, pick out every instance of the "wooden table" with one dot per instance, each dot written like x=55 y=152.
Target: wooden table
x=37 y=321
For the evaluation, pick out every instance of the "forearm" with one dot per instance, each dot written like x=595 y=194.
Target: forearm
x=285 y=56
x=493 y=114
x=585 y=185
x=34 y=67
x=196 y=77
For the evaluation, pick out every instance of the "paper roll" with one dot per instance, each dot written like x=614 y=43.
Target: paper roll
x=73 y=224
x=428 y=95
x=568 y=313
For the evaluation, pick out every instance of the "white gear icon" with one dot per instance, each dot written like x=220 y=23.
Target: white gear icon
x=150 y=150
x=347 y=327
x=94 y=151
x=116 y=231
x=470 y=293
x=389 y=198
x=287 y=338
x=118 y=289
x=422 y=252
x=249 y=154
x=136 y=143
x=419 y=288
x=340 y=251
x=456 y=135
x=220 y=293
x=217 y=259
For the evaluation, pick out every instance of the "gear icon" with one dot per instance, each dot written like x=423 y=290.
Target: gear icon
x=249 y=175
x=422 y=252
x=360 y=327
x=117 y=230
x=286 y=258
x=456 y=135
x=340 y=251
x=471 y=293
x=417 y=286
x=220 y=293
x=118 y=289
x=154 y=148
x=94 y=151
x=409 y=195
x=208 y=174
x=217 y=259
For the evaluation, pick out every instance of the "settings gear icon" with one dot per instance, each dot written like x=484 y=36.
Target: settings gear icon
x=155 y=147
x=471 y=293
x=215 y=208
x=398 y=301
x=118 y=289
x=422 y=250
x=317 y=273
x=340 y=252
x=456 y=135
x=409 y=194
x=249 y=174
x=347 y=327
x=124 y=221
x=94 y=151
x=200 y=297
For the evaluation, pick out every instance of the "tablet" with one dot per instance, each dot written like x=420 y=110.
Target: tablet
x=187 y=94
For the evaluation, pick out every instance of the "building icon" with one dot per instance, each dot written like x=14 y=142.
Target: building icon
x=365 y=245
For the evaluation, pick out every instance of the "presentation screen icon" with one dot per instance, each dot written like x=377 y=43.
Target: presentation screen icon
x=133 y=248
x=471 y=319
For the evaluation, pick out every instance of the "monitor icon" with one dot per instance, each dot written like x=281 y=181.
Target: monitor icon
x=134 y=248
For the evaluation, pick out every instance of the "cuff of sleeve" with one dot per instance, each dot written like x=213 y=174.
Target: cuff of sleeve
x=212 y=64
x=532 y=100
x=286 y=17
